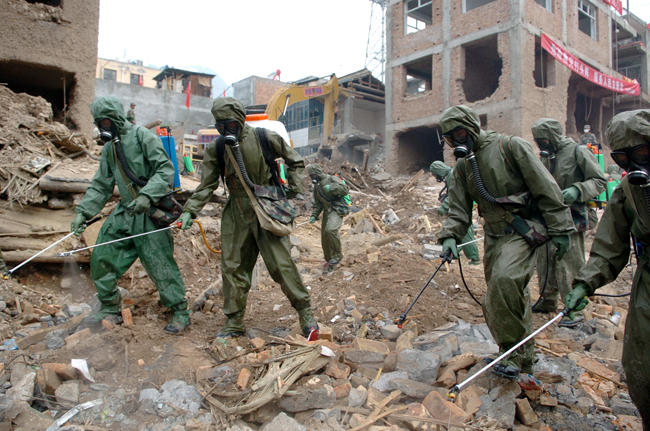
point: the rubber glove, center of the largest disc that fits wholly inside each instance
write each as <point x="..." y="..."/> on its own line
<point x="312" y="219"/>
<point x="562" y="243"/>
<point x="571" y="194"/>
<point x="186" y="220"/>
<point x="78" y="224"/>
<point x="139" y="205"/>
<point x="327" y="188"/>
<point x="450" y="244"/>
<point x="441" y="210"/>
<point x="577" y="300"/>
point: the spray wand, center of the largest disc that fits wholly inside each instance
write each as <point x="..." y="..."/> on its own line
<point x="70" y="253"/>
<point x="6" y="275"/>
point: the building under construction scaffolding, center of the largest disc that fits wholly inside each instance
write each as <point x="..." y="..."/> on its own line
<point x="488" y="54"/>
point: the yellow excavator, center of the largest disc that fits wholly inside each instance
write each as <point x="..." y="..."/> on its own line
<point x="328" y="93"/>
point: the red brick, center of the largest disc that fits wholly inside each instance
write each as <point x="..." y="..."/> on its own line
<point x="244" y="377"/>
<point x="337" y="370"/>
<point x="74" y="339"/>
<point x="127" y="317"/>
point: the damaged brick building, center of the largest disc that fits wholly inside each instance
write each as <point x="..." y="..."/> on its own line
<point x="487" y="54"/>
<point x="49" y="49"/>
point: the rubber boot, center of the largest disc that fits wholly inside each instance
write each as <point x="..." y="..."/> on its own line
<point x="308" y="324"/>
<point x="234" y="326"/>
<point x="330" y="266"/>
<point x="179" y="323"/>
<point x="546" y="306"/>
<point x="111" y="313"/>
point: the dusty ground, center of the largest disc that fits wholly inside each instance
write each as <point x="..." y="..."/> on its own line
<point x="383" y="287"/>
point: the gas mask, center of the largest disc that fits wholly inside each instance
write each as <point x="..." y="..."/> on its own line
<point x="230" y="129"/>
<point x="460" y="140"/>
<point x="314" y="179"/>
<point x="636" y="161"/>
<point x="439" y="178"/>
<point x="107" y="130"/>
<point x="546" y="149"/>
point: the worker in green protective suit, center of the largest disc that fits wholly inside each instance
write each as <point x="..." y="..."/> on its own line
<point x="580" y="178"/>
<point x="329" y="193"/>
<point x="520" y="213"/>
<point x="442" y="172"/>
<point x="146" y="158"/>
<point x="130" y="114"/>
<point x="242" y="238"/>
<point x="627" y="212"/>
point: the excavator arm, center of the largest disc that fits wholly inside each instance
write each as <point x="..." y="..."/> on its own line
<point x="286" y="96"/>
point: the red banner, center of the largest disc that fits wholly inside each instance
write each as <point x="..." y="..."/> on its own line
<point x="616" y="4"/>
<point x="187" y="99"/>
<point x="624" y="86"/>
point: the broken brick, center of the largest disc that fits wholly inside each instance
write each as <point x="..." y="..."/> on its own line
<point x="342" y="391"/>
<point x="49" y="309"/>
<point x="337" y="370"/>
<point x="75" y="338"/>
<point x="258" y="343"/>
<point x="370" y="345"/>
<point x="107" y="325"/>
<point x="444" y="410"/>
<point x="64" y="371"/>
<point x="127" y="317"/>
<point x="447" y="379"/>
<point x="244" y="377"/>
<point x="48" y="380"/>
<point x="524" y="412"/>
<point x="325" y="333"/>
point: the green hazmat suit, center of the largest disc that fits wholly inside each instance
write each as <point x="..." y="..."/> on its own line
<point x="332" y="204"/>
<point x="146" y="158"/>
<point x="130" y="116"/>
<point x="509" y="260"/>
<point x="625" y="214"/>
<point x="470" y="250"/>
<point x="588" y="138"/>
<point x="573" y="166"/>
<point x="242" y="238"/>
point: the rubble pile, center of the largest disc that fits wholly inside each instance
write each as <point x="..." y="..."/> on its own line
<point x="364" y="372"/>
<point x="31" y="144"/>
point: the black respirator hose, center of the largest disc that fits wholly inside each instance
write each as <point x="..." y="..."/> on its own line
<point x="478" y="181"/>
<point x="541" y="292"/>
<point x="485" y="195"/>
<point x="462" y="276"/>
<point x="129" y="174"/>
<point x="242" y="168"/>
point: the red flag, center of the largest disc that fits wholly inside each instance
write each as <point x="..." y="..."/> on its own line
<point x="187" y="100"/>
<point x="140" y="80"/>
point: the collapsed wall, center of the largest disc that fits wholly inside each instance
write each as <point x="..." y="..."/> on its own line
<point x="49" y="49"/>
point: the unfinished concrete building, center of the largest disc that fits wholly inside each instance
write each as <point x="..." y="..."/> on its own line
<point x="487" y="54"/>
<point x="49" y="49"/>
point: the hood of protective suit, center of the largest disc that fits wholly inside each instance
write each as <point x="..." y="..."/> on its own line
<point x="226" y="108"/>
<point x="461" y="116"/>
<point x="440" y="169"/>
<point x="548" y="128"/>
<point x="629" y="129"/>
<point x="110" y="107"/>
<point x="315" y="169"/>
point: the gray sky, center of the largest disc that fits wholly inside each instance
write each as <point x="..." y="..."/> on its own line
<point x="239" y="38"/>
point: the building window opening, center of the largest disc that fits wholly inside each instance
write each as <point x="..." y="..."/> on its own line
<point x="54" y="85"/>
<point x="483" y="68"/>
<point x="418" y="75"/>
<point x="418" y="15"/>
<point x="587" y="18"/>
<point x="110" y="75"/>
<point x="546" y="4"/>
<point x="136" y="79"/>
<point x="544" y="72"/>
<point x="54" y="3"/>
<point x="418" y="148"/>
<point x="468" y="5"/>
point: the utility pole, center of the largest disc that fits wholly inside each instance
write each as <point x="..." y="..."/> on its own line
<point x="376" y="45"/>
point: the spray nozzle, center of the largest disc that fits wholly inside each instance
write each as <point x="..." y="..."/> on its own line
<point x="6" y="275"/>
<point x="64" y="254"/>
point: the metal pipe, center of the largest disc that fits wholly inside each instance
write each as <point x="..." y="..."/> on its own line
<point x="70" y="253"/>
<point x="458" y="388"/>
<point x="469" y="242"/>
